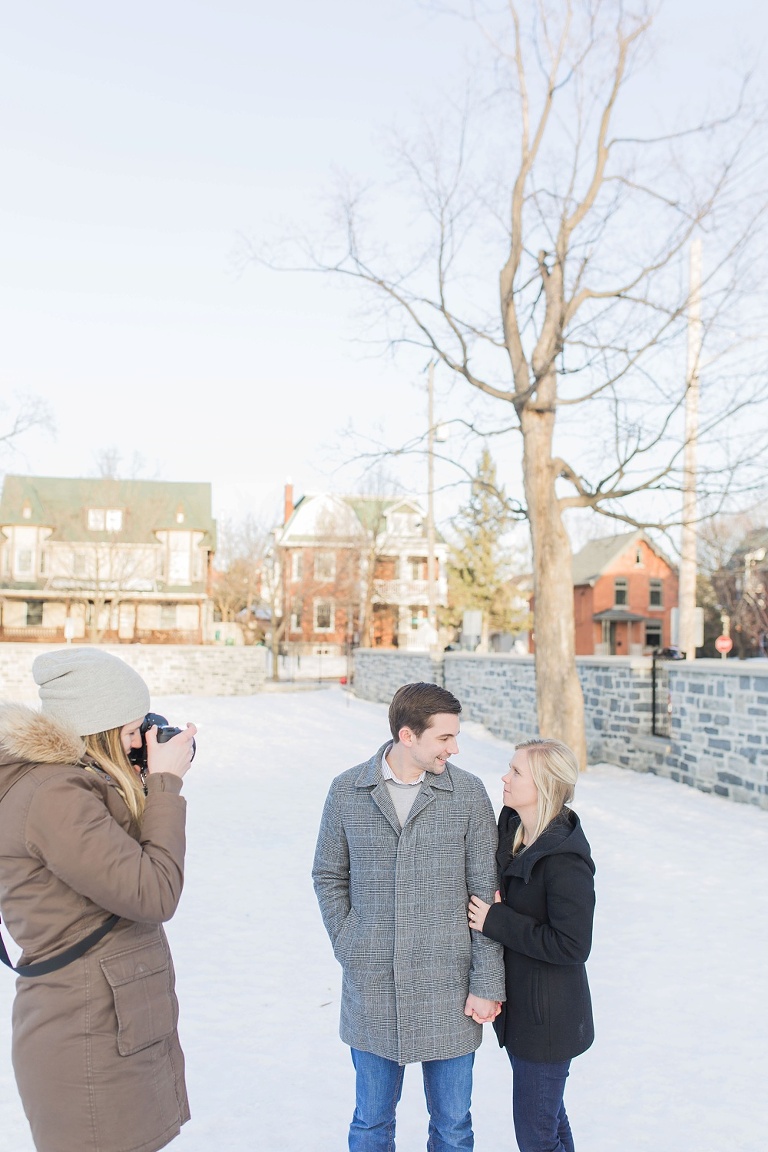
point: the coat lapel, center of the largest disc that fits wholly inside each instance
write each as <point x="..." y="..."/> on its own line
<point x="370" y="777"/>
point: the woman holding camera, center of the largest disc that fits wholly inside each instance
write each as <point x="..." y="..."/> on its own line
<point x="92" y="864"/>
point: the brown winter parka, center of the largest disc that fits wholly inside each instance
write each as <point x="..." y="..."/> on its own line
<point x="95" y="1048"/>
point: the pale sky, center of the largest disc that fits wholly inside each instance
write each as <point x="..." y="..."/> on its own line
<point x="140" y="142"/>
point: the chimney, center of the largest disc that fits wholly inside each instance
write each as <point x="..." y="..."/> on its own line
<point x="288" y="509"/>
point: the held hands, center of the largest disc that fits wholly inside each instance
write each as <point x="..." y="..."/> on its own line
<point x="482" y="1011"/>
<point x="173" y="756"/>
<point x="478" y="910"/>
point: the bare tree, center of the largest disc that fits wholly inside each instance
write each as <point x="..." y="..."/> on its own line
<point x="241" y="587"/>
<point x="734" y="580"/>
<point x="111" y="560"/>
<point x="580" y="227"/>
<point x="26" y="414"/>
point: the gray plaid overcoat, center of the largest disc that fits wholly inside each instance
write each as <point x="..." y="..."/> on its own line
<point x="394" y="904"/>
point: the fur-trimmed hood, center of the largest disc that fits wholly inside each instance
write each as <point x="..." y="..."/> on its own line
<point x="28" y="737"/>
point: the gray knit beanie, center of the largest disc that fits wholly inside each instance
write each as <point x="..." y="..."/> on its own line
<point x="89" y="690"/>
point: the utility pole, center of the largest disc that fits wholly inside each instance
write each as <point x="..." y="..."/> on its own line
<point x="431" y="583"/>
<point x="687" y="626"/>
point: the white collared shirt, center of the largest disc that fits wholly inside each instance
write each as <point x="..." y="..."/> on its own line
<point x="388" y="774"/>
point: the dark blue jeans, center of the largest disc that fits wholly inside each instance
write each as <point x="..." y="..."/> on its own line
<point x="541" y="1122"/>
<point x="447" y="1087"/>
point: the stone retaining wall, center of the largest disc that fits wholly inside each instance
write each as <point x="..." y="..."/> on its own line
<point x="718" y="709"/>
<point x="169" y="670"/>
<point x="379" y="674"/>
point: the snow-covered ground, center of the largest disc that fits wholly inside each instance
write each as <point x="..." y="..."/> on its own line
<point x="678" y="969"/>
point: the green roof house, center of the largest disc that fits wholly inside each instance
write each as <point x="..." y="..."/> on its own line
<point x="104" y="559"/>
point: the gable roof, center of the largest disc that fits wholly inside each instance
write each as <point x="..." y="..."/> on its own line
<point x="370" y="513"/>
<point x="593" y="559"/>
<point x="149" y="506"/>
<point x="755" y="541"/>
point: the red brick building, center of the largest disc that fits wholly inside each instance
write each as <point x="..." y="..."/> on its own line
<point x="624" y="590"/>
<point x="353" y="569"/>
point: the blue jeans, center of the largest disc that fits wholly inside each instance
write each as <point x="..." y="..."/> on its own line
<point x="447" y="1087"/>
<point x="541" y="1122"/>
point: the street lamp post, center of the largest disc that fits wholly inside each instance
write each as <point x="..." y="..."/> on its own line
<point x="687" y="627"/>
<point x="431" y="583"/>
<point x="434" y="435"/>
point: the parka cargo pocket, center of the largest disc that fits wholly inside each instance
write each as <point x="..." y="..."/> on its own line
<point x="145" y="1004"/>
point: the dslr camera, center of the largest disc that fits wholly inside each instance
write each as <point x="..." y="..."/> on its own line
<point x="165" y="731"/>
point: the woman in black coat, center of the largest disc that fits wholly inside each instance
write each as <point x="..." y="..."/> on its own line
<point x="543" y="917"/>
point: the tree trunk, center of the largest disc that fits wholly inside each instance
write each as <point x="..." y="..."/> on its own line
<point x="560" y="702"/>
<point x="275" y="649"/>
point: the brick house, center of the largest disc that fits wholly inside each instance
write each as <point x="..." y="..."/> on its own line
<point x="102" y="559"/>
<point x="624" y="590"/>
<point x="354" y="569"/>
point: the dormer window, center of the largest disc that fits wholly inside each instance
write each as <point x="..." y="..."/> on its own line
<point x="26" y="510"/>
<point x="179" y="515"/>
<point x="105" y="519"/>
<point x="402" y="524"/>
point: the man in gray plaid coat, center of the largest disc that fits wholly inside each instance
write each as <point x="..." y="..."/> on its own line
<point x="404" y="840"/>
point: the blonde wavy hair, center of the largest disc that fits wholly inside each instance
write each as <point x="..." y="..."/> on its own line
<point x="555" y="770"/>
<point x="106" y="750"/>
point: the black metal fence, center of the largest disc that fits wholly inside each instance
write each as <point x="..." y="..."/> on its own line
<point x="661" y="704"/>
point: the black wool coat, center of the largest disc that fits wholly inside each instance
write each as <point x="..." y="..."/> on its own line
<point x="545" y="925"/>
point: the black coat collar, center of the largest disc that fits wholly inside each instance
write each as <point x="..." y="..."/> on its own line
<point x="564" y="834"/>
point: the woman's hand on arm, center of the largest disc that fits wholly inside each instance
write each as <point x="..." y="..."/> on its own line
<point x="478" y="910"/>
<point x="174" y="755"/>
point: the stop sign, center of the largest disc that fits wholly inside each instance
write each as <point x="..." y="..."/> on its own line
<point x="723" y="643"/>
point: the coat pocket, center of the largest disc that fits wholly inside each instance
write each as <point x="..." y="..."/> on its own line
<point x="145" y="1003"/>
<point x="536" y="997"/>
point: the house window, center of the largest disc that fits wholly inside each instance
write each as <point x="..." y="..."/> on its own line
<point x="105" y="519"/>
<point x="43" y="562"/>
<point x="34" y="612"/>
<point x="324" y="615"/>
<point x="655" y="600"/>
<point x="168" y="616"/>
<point x="23" y="561"/>
<point x="418" y="568"/>
<point x="296" y="567"/>
<point x="178" y="567"/>
<point x="296" y="612"/>
<point x="620" y="592"/>
<point x="27" y="510"/>
<point x="403" y="524"/>
<point x="638" y="557"/>
<point x="325" y="566"/>
<point x="653" y="635"/>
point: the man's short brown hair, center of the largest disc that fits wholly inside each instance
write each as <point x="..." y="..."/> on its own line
<point x="414" y="705"/>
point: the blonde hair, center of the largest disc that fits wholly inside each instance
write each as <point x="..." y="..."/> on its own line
<point x="555" y="770"/>
<point x="105" y="749"/>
